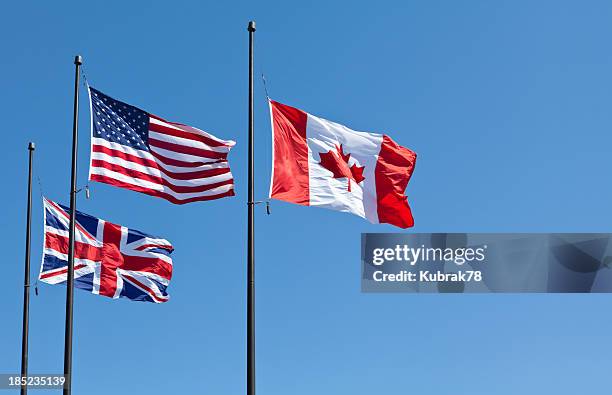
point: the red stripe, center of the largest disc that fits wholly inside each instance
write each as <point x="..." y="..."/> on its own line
<point x="290" y="182"/>
<point x="163" y="246"/>
<point x="124" y="170"/>
<point x="196" y="188"/>
<point x="155" y="165"/>
<point x="63" y="271"/>
<point x="111" y="236"/>
<point x="159" y="180"/>
<point x="179" y="163"/>
<point x="59" y="243"/>
<point x="393" y="171"/>
<point x="147" y="191"/>
<point x="186" y="135"/>
<point x="149" y="265"/>
<point x="184" y="149"/>
<point x="122" y="155"/>
<point x="196" y="174"/>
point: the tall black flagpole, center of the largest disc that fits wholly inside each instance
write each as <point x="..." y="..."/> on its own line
<point x="251" y="233"/>
<point x="26" y="280"/>
<point x="78" y="60"/>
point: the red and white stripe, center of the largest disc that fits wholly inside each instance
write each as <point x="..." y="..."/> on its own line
<point x="182" y="164"/>
<point x="299" y="138"/>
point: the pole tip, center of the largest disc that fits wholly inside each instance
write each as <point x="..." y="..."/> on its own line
<point x="251" y="27"/>
<point x="78" y="60"/>
<point x="31" y="146"/>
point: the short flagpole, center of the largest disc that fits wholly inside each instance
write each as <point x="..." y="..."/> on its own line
<point x="78" y="61"/>
<point x="26" y="280"/>
<point x="251" y="233"/>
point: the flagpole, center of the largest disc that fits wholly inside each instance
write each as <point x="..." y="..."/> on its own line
<point x="78" y="61"/>
<point x="251" y="233"/>
<point x="26" y="280"/>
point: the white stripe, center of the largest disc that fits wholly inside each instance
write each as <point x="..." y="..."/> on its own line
<point x="186" y="142"/>
<point x="122" y="148"/>
<point x="174" y="169"/>
<point x="191" y="129"/>
<point x="179" y="169"/>
<point x="119" y="285"/>
<point x="100" y="231"/>
<point x="96" y="279"/>
<point x="156" y="173"/>
<point x="272" y="163"/>
<point x="180" y="156"/>
<point x="157" y="187"/>
<point x="115" y="160"/>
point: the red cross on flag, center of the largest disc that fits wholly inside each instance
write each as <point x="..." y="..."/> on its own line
<point x="109" y="259"/>
<point x="317" y="162"/>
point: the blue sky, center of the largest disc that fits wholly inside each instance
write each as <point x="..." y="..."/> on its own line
<point x="507" y="104"/>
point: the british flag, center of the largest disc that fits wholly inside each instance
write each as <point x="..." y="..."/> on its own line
<point x="109" y="260"/>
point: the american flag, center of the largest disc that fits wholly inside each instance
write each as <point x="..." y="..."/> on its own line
<point x="109" y="259"/>
<point x="133" y="149"/>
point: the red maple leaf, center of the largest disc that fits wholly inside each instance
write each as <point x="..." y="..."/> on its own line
<point x="337" y="163"/>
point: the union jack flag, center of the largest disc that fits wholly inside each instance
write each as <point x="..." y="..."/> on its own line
<point x="109" y="260"/>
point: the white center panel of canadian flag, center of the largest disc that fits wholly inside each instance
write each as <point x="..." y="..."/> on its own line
<point x="341" y="165"/>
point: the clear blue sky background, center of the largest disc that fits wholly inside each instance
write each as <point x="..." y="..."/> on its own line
<point x="507" y="104"/>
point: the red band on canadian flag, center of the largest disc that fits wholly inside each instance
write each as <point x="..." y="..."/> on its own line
<point x="317" y="162"/>
<point x="393" y="171"/>
<point x="291" y="168"/>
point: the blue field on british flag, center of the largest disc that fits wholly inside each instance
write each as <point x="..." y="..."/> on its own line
<point x="110" y="260"/>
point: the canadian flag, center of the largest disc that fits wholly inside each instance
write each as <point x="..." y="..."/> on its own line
<point x="321" y="163"/>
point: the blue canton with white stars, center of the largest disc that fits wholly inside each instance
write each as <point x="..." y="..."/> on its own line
<point x="118" y="122"/>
